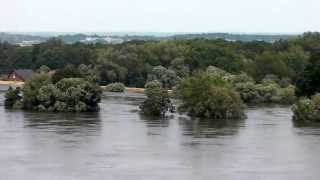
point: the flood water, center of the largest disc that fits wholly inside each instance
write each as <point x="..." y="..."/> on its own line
<point x="118" y="143"/>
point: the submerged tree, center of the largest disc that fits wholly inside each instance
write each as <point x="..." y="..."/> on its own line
<point x="13" y="98"/>
<point x="307" y="109"/>
<point x="208" y="96"/>
<point x="115" y="87"/>
<point x="158" y="102"/>
<point x="67" y="95"/>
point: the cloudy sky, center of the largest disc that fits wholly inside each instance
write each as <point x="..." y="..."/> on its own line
<point x="264" y="16"/>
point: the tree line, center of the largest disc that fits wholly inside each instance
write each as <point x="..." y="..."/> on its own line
<point x="137" y="62"/>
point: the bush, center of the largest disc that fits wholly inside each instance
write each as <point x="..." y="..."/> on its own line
<point x="241" y="78"/>
<point x="31" y="88"/>
<point x="43" y="69"/>
<point x="266" y="93"/>
<point x="68" y="71"/>
<point x="18" y="105"/>
<point x="47" y="94"/>
<point x="307" y="109"/>
<point x="271" y="90"/>
<point x="158" y="102"/>
<point x="12" y="98"/>
<point x="67" y="95"/>
<point x="116" y="87"/>
<point x="270" y="78"/>
<point x="287" y="95"/>
<point x="166" y="77"/>
<point x="215" y="71"/>
<point x="206" y="95"/>
<point x="153" y="84"/>
<point x="248" y="92"/>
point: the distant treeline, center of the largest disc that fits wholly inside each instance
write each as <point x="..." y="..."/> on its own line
<point x="73" y="38"/>
<point x="19" y="38"/>
<point x="134" y="62"/>
<point x="235" y="37"/>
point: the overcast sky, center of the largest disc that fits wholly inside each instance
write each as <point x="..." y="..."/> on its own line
<point x="160" y="15"/>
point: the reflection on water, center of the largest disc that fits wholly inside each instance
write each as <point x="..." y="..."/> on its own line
<point x="119" y="143"/>
<point x="208" y="129"/>
<point x="63" y="122"/>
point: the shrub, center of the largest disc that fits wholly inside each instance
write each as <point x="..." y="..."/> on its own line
<point x="270" y="90"/>
<point x="241" y="78"/>
<point x="31" y="88"/>
<point x="307" y="109"/>
<point x="167" y="77"/>
<point x="78" y="95"/>
<point x="43" y="69"/>
<point x="153" y="84"/>
<point x="287" y="95"/>
<point x="67" y="95"/>
<point x="206" y="95"/>
<point x="285" y="82"/>
<point x="158" y="102"/>
<point x="116" y="87"/>
<point x="13" y="97"/>
<point x="215" y="71"/>
<point x="70" y="71"/>
<point x="266" y="93"/>
<point x="248" y="92"/>
<point x="18" y="105"/>
<point x="47" y="94"/>
<point x="270" y="78"/>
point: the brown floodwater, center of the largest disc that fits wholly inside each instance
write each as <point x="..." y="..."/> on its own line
<point x="119" y="144"/>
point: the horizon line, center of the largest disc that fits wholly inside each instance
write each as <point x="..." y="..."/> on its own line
<point x="153" y="32"/>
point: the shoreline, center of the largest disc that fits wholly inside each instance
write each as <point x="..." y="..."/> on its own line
<point x="12" y="83"/>
<point x="20" y="84"/>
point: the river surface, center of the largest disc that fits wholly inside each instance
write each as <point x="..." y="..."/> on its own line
<point x="118" y="143"/>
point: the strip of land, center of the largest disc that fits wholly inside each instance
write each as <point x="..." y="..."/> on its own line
<point x="12" y="83"/>
<point x="20" y="84"/>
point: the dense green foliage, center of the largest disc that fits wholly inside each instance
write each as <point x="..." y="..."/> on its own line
<point x="309" y="82"/>
<point x="115" y="87"/>
<point x="206" y="95"/>
<point x="166" y="77"/>
<point x="158" y="102"/>
<point x="137" y="62"/>
<point x="153" y="84"/>
<point x="266" y="92"/>
<point x="67" y="95"/>
<point x="307" y="109"/>
<point x="53" y="53"/>
<point x="232" y="72"/>
<point x="70" y="71"/>
<point x="13" y="98"/>
<point x="270" y="90"/>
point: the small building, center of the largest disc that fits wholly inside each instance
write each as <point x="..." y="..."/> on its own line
<point x="20" y="75"/>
